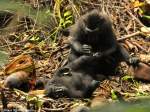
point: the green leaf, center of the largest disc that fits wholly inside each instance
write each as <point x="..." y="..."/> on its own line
<point x="31" y="98"/>
<point x="146" y="16"/>
<point x="69" y="18"/>
<point x="113" y="95"/>
<point x="67" y="13"/>
<point x="68" y="22"/>
<point x="127" y="77"/>
<point x="40" y="103"/>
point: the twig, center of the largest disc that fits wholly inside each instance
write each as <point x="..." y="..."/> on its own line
<point x="129" y="12"/>
<point x="4" y="100"/>
<point x="128" y="36"/>
<point x="140" y="47"/>
<point x="54" y="110"/>
<point x="14" y="43"/>
<point x="17" y="107"/>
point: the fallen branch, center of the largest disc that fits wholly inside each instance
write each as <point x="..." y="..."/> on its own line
<point x="128" y="36"/>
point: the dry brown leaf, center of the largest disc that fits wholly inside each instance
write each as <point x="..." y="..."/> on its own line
<point x="146" y="31"/>
<point x="145" y="58"/>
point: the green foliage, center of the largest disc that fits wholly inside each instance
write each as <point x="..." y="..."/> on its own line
<point x="131" y="78"/>
<point x="114" y="95"/>
<point x="65" y="19"/>
<point x="146" y="16"/>
<point x="127" y="77"/>
<point x="40" y="16"/>
<point x="37" y="101"/>
<point x="124" y="107"/>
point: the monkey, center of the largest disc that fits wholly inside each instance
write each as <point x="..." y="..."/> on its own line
<point x="92" y="34"/>
<point x="94" y="47"/>
<point x="40" y="83"/>
<point x="67" y="83"/>
<point x="94" y="52"/>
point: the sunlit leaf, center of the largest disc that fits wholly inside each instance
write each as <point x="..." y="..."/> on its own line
<point x="145" y="31"/>
<point x="127" y="77"/>
<point x="138" y="4"/>
<point x="146" y="16"/>
<point x="113" y="95"/>
<point x="67" y="13"/>
<point x="69" y="18"/>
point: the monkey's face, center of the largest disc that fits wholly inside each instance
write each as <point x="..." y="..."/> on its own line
<point x="92" y="22"/>
<point x="59" y="85"/>
<point x="96" y="22"/>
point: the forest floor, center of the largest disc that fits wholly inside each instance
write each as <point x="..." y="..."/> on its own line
<point x="49" y="50"/>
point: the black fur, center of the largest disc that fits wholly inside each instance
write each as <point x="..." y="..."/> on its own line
<point x="94" y="52"/>
<point x="66" y="83"/>
<point x="94" y="48"/>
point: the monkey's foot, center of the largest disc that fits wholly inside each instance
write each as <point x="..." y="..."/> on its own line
<point x="134" y="61"/>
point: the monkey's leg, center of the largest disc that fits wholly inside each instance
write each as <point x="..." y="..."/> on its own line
<point x="91" y="88"/>
<point x="73" y="56"/>
<point x="75" y="93"/>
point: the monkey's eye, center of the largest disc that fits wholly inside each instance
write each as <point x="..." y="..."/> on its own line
<point x="65" y="71"/>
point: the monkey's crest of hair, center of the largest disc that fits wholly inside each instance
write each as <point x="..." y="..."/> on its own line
<point x="95" y="20"/>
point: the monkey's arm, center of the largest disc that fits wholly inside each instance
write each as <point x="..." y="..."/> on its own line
<point x="81" y="48"/>
<point x="125" y="56"/>
<point x="105" y="53"/>
<point x="76" y="93"/>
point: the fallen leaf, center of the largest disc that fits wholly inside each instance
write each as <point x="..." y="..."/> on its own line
<point x="145" y="31"/>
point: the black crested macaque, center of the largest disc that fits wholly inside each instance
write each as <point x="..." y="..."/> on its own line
<point x="92" y="35"/>
<point x="94" y="48"/>
<point x="94" y="52"/>
<point x="66" y="83"/>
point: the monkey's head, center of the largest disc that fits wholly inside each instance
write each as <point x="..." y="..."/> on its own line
<point x="56" y="87"/>
<point x="96" y="21"/>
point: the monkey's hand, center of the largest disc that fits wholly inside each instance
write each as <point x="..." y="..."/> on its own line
<point x="87" y="49"/>
<point x="134" y="61"/>
<point x="81" y="48"/>
<point x="97" y="54"/>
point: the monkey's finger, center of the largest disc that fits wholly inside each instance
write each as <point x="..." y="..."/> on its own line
<point x="87" y="47"/>
<point x="134" y="60"/>
<point x="97" y="54"/>
<point x="87" y="52"/>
